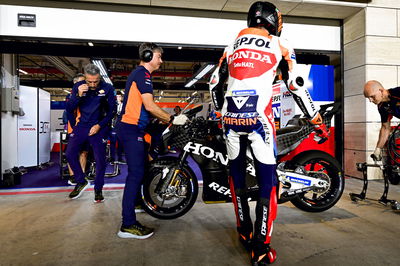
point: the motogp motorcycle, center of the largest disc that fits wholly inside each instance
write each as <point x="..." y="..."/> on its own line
<point x="312" y="180"/>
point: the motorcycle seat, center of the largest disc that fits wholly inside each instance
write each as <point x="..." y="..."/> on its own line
<point x="287" y="130"/>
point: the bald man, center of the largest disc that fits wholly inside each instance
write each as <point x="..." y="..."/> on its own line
<point x="388" y="102"/>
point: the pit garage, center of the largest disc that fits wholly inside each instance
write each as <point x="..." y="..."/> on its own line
<point x="44" y="44"/>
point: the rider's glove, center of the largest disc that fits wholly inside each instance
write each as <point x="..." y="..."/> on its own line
<point x="321" y="133"/>
<point x="179" y="120"/>
<point x="377" y="155"/>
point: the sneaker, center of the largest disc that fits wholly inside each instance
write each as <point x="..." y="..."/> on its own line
<point x="139" y="208"/>
<point x="268" y="258"/>
<point x="79" y="188"/>
<point x="72" y="181"/>
<point x="98" y="196"/>
<point x="137" y="231"/>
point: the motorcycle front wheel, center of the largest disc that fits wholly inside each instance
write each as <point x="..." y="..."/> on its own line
<point x="323" y="165"/>
<point x="174" y="201"/>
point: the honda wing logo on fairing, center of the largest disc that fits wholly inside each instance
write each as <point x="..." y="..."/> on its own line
<point x="200" y="149"/>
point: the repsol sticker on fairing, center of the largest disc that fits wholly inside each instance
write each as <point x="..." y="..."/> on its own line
<point x="220" y="189"/>
<point x="300" y="180"/>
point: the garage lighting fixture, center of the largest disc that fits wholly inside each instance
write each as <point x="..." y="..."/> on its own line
<point x="23" y="71"/>
<point x="103" y="72"/>
<point x="60" y="65"/>
<point x="90" y="44"/>
<point x="199" y="74"/>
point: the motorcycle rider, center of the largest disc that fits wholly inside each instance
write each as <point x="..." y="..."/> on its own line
<point x="250" y="65"/>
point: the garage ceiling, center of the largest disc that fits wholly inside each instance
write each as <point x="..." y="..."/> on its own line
<point x="40" y="60"/>
<point x="333" y="9"/>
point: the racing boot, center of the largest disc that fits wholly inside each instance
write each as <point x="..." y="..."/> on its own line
<point x="262" y="253"/>
<point x="267" y="258"/>
<point x="244" y="224"/>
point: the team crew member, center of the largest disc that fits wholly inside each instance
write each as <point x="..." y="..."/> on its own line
<point x="388" y="102"/>
<point x="69" y="119"/>
<point x="115" y="144"/>
<point x="95" y="102"/>
<point x="137" y="107"/>
<point x="251" y="63"/>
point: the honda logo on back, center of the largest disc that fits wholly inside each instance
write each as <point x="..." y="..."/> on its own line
<point x="248" y="63"/>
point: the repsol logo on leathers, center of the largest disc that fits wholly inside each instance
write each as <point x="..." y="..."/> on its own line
<point x="259" y="42"/>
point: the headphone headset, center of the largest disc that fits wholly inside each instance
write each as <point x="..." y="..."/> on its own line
<point x="147" y="55"/>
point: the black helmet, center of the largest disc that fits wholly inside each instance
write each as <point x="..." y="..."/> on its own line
<point x="266" y="15"/>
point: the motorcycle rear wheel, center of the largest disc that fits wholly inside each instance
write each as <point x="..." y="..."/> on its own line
<point x="318" y="161"/>
<point x="173" y="207"/>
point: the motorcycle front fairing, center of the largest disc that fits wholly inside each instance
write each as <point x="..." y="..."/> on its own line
<point x="210" y="155"/>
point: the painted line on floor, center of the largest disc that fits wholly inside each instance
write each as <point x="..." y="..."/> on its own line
<point x="42" y="190"/>
<point x="27" y="191"/>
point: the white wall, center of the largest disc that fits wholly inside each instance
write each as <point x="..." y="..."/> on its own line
<point x="8" y="120"/>
<point x="130" y="27"/>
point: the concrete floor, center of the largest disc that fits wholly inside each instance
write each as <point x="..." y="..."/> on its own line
<point x="49" y="229"/>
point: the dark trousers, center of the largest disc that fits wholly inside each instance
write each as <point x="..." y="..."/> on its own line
<point x="115" y="152"/>
<point x="135" y="153"/>
<point x="98" y="143"/>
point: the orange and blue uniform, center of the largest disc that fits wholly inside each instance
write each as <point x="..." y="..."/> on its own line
<point x="96" y="106"/>
<point x="130" y="130"/>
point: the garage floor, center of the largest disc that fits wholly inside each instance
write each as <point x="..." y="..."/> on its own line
<point x="49" y="229"/>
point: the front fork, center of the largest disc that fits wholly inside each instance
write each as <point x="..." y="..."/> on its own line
<point x="170" y="177"/>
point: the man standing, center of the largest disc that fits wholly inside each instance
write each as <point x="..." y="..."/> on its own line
<point x="250" y="63"/>
<point x="137" y="106"/>
<point x="115" y="144"/>
<point x="177" y="110"/>
<point x="388" y="102"/>
<point x="69" y="121"/>
<point x="94" y="101"/>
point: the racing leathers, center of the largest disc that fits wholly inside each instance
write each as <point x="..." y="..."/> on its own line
<point x="250" y="65"/>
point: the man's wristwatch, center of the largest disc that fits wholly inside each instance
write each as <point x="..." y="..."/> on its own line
<point x="171" y="119"/>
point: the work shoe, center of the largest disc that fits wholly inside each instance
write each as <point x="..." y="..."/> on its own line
<point x="79" y="188"/>
<point x="139" y="208"/>
<point x="98" y="196"/>
<point x="137" y="231"/>
<point x="269" y="258"/>
<point x="72" y="181"/>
